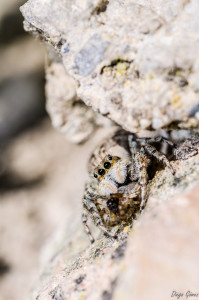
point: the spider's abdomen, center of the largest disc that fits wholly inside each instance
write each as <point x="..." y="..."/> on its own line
<point x="112" y="205"/>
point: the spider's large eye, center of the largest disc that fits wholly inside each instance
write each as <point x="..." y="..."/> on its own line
<point x="101" y="171"/>
<point x="107" y="165"/>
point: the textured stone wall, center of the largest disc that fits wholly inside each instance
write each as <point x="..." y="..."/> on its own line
<point x="133" y="61"/>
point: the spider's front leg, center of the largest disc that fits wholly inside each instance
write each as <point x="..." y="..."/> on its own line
<point x="141" y="149"/>
<point x="158" y="139"/>
<point x="159" y="156"/>
<point x="88" y="206"/>
<point x="138" y="168"/>
<point x="141" y="164"/>
<point x="188" y="148"/>
<point x="86" y="227"/>
<point x="151" y="150"/>
<point x="90" y="200"/>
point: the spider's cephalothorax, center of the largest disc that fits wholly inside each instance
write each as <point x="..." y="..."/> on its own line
<point x="111" y="172"/>
<point x="119" y="172"/>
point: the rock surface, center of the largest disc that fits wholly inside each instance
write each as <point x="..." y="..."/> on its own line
<point x="160" y="255"/>
<point x="68" y="113"/>
<point x="133" y="61"/>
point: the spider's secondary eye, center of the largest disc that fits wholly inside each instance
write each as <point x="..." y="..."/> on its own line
<point x="107" y="165"/>
<point x="101" y="171"/>
<point x="95" y="175"/>
<point x="110" y="157"/>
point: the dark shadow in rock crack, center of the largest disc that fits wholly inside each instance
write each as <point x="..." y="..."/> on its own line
<point x="108" y="294"/>
<point x="119" y="252"/>
<point x="101" y="7"/>
<point x="4" y="267"/>
<point x="10" y="181"/>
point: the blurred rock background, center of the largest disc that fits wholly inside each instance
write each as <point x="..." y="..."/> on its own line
<point x="21" y="107"/>
<point x="22" y="73"/>
<point x="37" y="165"/>
<point x="32" y="157"/>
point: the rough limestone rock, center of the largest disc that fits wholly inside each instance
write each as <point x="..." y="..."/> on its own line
<point x="71" y="117"/>
<point x="133" y="61"/>
<point x="160" y="255"/>
<point x="68" y="113"/>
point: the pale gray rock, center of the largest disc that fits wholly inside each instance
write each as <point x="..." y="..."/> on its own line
<point x="162" y="243"/>
<point x="68" y="113"/>
<point x="133" y="61"/>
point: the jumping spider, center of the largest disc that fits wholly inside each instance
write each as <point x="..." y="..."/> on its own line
<point x="119" y="170"/>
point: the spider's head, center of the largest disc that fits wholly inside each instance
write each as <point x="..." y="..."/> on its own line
<point x="109" y="173"/>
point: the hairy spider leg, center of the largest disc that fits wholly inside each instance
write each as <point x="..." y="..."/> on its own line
<point x="141" y="163"/>
<point x="84" y="221"/>
<point x="159" y="156"/>
<point x="186" y="149"/>
<point x="158" y="139"/>
<point x="90" y="209"/>
<point x="141" y="160"/>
